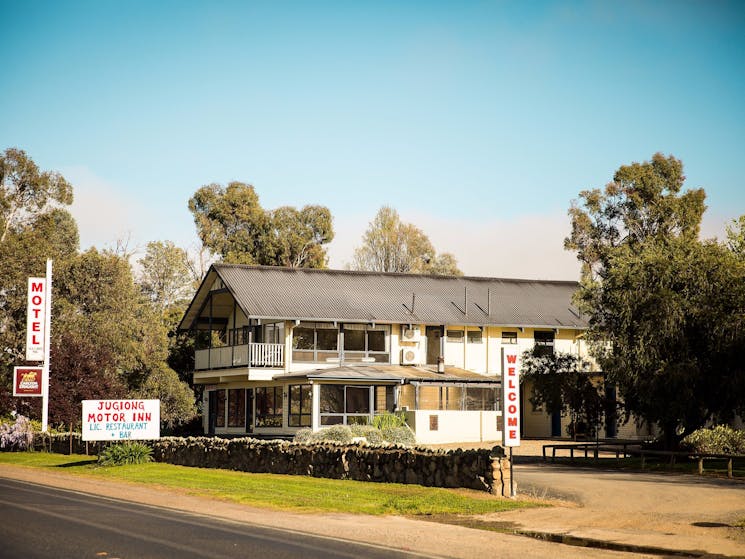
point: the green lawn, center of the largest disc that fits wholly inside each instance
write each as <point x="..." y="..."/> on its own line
<point x="296" y="493"/>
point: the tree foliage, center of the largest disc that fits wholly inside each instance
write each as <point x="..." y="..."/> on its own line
<point x="25" y="191"/>
<point x="232" y="224"/>
<point x="165" y="275"/>
<point x="390" y="245"/>
<point x="563" y="383"/>
<point x="176" y="398"/>
<point x="666" y="311"/>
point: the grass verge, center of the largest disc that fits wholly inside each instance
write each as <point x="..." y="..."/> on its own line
<point x="281" y="492"/>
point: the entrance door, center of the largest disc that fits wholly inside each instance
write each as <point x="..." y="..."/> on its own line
<point x="434" y="333"/>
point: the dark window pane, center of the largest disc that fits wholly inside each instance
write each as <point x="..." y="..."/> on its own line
<point x="354" y="340"/>
<point x="358" y="399"/>
<point x="474" y="336"/>
<point x="332" y="398"/>
<point x="332" y="419"/>
<point x="237" y="408"/>
<point x="376" y="340"/>
<point x="327" y="339"/>
<point x="220" y="409"/>
<point x="302" y="338"/>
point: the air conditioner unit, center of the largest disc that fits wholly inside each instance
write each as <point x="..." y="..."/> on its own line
<point x="410" y="334"/>
<point x="409" y="356"/>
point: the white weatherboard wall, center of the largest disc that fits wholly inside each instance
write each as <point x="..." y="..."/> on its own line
<point x="454" y="426"/>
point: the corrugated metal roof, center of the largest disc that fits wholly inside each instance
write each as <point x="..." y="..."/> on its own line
<point x="390" y="373"/>
<point x="309" y="294"/>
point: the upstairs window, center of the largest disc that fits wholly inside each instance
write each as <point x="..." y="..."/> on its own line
<point x="366" y="344"/>
<point x="509" y="338"/>
<point x="544" y="343"/>
<point x="315" y="342"/>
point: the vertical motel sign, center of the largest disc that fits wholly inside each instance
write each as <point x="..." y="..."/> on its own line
<point x="511" y="396"/>
<point x="34" y="381"/>
<point x="36" y="319"/>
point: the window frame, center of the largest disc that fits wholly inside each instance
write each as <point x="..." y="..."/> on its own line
<point x="302" y="418"/>
<point x="276" y="417"/>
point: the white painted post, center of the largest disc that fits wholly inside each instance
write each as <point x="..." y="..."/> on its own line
<point x="47" y="343"/>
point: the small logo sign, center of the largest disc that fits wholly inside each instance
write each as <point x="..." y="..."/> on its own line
<point x="27" y="381"/>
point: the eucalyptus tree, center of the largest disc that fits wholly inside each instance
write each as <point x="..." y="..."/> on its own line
<point x="666" y="310"/>
<point x="390" y="245"/>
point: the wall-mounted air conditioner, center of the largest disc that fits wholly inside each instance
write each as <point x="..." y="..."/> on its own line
<point x="410" y="334"/>
<point x="408" y="356"/>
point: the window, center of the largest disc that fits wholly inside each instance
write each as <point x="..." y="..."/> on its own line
<point x="474" y="336"/>
<point x="301" y="403"/>
<point x="455" y="336"/>
<point x="366" y="344"/>
<point x="269" y="406"/>
<point x="237" y="407"/>
<point x="544" y="343"/>
<point x="478" y="398"/>
<point x="220" y="408"/>
<point x="315" y="342"/>
<point x="342" y="404"/>
<point x="509" y="338"/>
<point x="274" y="333"/>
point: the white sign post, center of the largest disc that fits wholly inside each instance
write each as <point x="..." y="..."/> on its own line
<point x="120" y="420"/>
<point x="38" y="332"/>
<point x="511" y="405"/>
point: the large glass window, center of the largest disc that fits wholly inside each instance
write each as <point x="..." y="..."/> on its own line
<point x="269" y="406"/>
<point x="301" y="403"/>
<point x="366" y="344"/>
<point x="450" y="397"/>
<point x="237" y="407"/>
<point x="342" y="404"/>
<point x="315" y="342"/>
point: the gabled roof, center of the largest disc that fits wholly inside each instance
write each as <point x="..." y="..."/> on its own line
<point x="268" y="292"/>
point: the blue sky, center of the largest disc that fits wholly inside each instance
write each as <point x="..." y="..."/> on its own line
<point x="478" y="121"/>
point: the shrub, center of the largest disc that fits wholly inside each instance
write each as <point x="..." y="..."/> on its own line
<point x="388" y="420"/>
<point x="126" y="453"/>
<point x="399" y="435"/>
<point x="303" y="435"/>
<point x="721" y="439"/>
<point x="372" y="434"/>
<point x="16" y="435"/>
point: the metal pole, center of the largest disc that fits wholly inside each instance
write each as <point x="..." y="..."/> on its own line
<point x="47" y="343"/>
<point x="513" y="489"/>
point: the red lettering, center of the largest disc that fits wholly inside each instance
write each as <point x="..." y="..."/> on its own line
<point x="91" y="417"/>
<point x="512" y="408"/>
<point x="511" y="384"/>
<point x="37" y="287"/>
<point x="511" y="371"/>
<point x="512" y="422"/>
<point x="511" y="358"/>
<point x="36" y="326"/>
<point x="36" y="300"/>
<point x="513" y="433"/>
<point x="512" y="397"/>
<point x="36" y="312"/>
<point x="34" y="341"/>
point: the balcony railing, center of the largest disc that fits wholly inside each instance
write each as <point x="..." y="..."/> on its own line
<point x="248" y="355"/>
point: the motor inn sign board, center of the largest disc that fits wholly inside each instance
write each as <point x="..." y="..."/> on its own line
<point x="115" y="420"/>
<point x="35" y="319"/>
<point x="27" y="381"/>
<point x="511" y="393"/>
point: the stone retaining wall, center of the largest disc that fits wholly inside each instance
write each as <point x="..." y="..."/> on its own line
<point x="474" y="469"/>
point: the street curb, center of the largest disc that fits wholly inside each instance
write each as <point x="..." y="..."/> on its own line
<point x="580" y="541"/>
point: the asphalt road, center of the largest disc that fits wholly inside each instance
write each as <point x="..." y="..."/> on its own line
<point x="43" y="522"/>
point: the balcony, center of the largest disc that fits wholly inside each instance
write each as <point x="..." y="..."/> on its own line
<point x="248" y="355"/>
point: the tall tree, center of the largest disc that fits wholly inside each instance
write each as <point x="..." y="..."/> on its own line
<point x="164" y="274"/>
<point x="232" y="224"/>
<point x="666" y="311"/>
<point x="390" y="245"/>
<point x="25" y="191"/>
